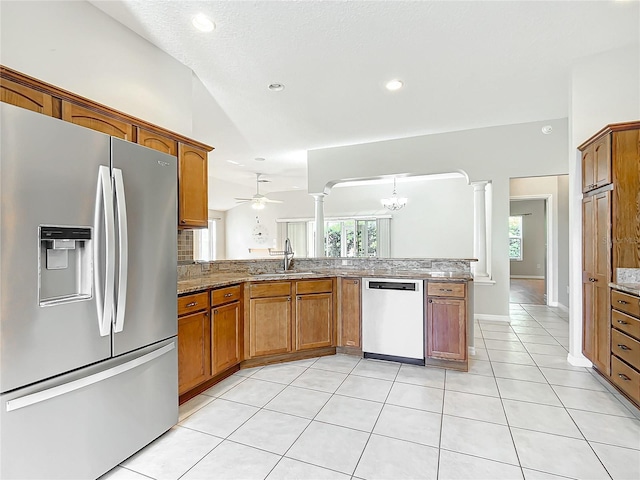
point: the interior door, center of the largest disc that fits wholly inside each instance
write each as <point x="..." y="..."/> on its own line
<point x="49" y="177"/>
<point x="148" y="262"/>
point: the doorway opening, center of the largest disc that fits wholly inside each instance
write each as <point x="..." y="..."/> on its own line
<point x="539" y="240"/>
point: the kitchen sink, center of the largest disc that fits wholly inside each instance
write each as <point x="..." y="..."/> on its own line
<point x="283" y="274"/>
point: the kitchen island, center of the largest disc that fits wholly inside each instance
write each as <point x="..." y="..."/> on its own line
<point x="241" y="314"/>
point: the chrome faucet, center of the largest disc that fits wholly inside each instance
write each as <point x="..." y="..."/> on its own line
<point x="288" y="254"/>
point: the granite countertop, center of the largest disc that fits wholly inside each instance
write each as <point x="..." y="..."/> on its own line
<point x="224" y="279"/>
<point x="632" y="288"/>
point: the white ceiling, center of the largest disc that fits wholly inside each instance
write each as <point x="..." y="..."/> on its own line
<point x="464" y="65"/>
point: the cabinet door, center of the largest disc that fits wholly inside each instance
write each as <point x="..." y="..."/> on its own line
<point x="314" y="319"/>
<point x="446" y="329"/>
<point x="588" y="169"/>
<point x="194" y="364"/>
<point x="596" y="257"/>
<point x="25" y="97"/>
<point x="225" y="337"/>
<point x="626" y="204"/>
<point x="192" y="187"/>
<point x="269" y="326"/>
<point x="96" y="121"/>
<point x="602" y="161"/>
<point x="157" y="142"/>
<point x="350" y="313"/>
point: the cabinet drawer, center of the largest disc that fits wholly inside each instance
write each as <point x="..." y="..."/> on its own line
<point x="193" y="303"/>
<point x="446" y="289"/>
<point x="626" y="348"/>
<point x="625" y="303"/>
<point x="314" y="286"/>
<point x="270" y="289"/>
<point x="626" y="323"/>
<point x="626" y="378"/>
<point x="225" y="295"/>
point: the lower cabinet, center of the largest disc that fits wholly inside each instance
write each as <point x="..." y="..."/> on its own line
<point x="314" y="320"/>
<point x="225" y="337"/>
<point x="194" y="365"/>
<point x="446" y="312"/>
<point x="270" y="325"/>
<point x="277" y="326"/>
<point x="350" y="313"/>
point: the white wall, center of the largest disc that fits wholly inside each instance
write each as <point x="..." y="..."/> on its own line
<point x="494" y="154"/>
<point x="437" y="221"/>
<point x="221" y="235"/>
<point x="604" y="89"/>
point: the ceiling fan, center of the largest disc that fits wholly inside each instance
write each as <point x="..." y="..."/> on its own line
<point x="258" y="201"/>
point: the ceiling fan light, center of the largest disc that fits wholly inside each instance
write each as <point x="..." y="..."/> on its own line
<point x="257" y="205"/>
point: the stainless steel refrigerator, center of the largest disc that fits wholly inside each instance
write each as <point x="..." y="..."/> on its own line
<point x="88" y="255"/>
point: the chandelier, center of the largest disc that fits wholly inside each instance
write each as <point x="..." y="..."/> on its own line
<point x="394" y="202"/>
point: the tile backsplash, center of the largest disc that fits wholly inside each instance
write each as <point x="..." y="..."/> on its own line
<point x="185" y="245"/>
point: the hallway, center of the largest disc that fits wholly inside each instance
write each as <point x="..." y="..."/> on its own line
<point x="527" y="290"/>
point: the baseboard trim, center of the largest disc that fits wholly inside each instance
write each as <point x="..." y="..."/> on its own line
<point x="492" y="318"/>
<point x="532" y="277"/>
<point x="579" y="361"/>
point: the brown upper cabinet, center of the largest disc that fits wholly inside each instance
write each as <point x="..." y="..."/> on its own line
<point x="157" y="142"/>
<point x="596" y="164"/>
<point x="30" y="93"/>
<point x="192" y="187"/>
<point x="96" y="121"/>
<point x="25" y="97"/>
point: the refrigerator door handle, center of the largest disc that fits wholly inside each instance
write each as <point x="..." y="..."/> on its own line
<point x="123" y="243"/>
<point x="69" y="387"/>
<point x="104" y="298"/>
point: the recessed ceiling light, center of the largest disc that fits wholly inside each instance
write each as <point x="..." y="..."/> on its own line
<point x="394" y="85"/>
<point x="203" y="23"/>
<point x="232" y="162"/>
<point x="547" y="129"/>
<point x="259" y="159"/>
<point x="276" y="87"/>
<point x="296" y="187"/>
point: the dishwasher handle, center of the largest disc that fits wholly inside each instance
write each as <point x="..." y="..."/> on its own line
<point x="381" y="285"/>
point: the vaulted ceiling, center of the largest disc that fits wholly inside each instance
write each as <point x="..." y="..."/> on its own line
<point x="464" y="64"/>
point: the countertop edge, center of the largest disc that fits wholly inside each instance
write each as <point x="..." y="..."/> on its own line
<point x="221" y="280"/>
<point x="632" y="288"/>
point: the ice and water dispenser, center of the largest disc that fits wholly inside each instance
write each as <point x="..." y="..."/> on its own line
<point x="65" y="264"/>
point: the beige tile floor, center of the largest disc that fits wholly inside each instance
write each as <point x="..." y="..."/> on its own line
<point x="521" y="412"/>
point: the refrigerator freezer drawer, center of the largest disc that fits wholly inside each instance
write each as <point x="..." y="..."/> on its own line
<point x="82" y="424"/>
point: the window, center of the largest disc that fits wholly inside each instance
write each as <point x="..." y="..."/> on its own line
<point x="204" y="243"/>
<point x="515" y="238"/>
<point x="343" y="237"/>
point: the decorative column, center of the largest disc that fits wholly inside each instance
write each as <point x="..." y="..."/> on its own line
<point x="319" y="243"/>
<point x="480" y="229"/>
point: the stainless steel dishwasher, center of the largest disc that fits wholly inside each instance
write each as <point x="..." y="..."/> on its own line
<point x="393" y="319"/>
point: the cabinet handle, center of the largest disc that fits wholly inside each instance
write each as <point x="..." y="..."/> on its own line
<point x="623" y="347"/>
<point x="298" y="298"/>
<point x="183" y="221"/>
<point x="227" y="295"/>
<point x="215" y="312"/>
<point x="430" y="301"/>
<point x="355" y="282"/>
<point x="593" y="279"/>
<point x="206" y="314"/>
<point x="446" y="290"/>
<point x="288" y="299"/>
<point x="624" y="377"/>
<point x="623" y="302"/>
<point x="192" y="304"/>
<point x="622" y="322"/>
